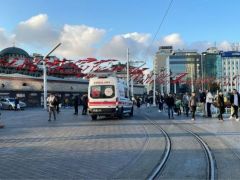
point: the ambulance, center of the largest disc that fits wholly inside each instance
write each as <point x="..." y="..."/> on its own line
<point x="107" y="96"/>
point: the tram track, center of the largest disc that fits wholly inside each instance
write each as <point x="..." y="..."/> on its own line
<point x="158" y="168"/>
<point x="211" y="173"/>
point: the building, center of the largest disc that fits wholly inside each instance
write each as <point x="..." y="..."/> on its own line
<point x="30" y="89"/>
<point x="27" y="83"/>
<point x="182" y="61"/>
<point x="230" y="70"/>
<point x="160" y="64"/>
<point x="212" y="64"/>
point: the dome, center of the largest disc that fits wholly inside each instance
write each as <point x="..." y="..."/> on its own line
<point x="13" y="51"/>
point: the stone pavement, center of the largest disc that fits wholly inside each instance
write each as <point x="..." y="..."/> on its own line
<point x="74" y="147"/>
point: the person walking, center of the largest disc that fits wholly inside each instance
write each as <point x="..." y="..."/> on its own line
<point x="57" y="103"/>
<point x="220" y="105"/>
<point x="1" y="125"/>
<point x="160" y="103"/>
<point x="138" y="102"/>
<point x="85" y="104"/>
<point x="202" y="99"/>
<point x="178" y="106"/>
<point x="75" y="103"/>
<point x="193" y="104"/>
<point x="51" y="100"/>
<point x="235" y="102"/>
<point x="186" y="103"/>
<point x="170" y="103"/>
<point x="209" y="101"/>
<point x="16" y="103"/>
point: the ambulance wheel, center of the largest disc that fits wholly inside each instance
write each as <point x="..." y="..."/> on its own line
<point x="120" y="114"/>
<point x="131" y="113"/>
<point x="94" y="117"/>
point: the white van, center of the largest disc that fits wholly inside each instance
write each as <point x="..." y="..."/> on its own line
<point x="107" y="96"/>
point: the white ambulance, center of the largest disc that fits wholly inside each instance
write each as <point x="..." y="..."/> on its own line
<point x="107" y="96"/>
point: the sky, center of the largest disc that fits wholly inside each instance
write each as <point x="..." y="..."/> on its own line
<point x="106" y="28"/>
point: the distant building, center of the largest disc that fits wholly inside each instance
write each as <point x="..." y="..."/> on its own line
<point x="27" y="85"/>
<point x="183" y="61"/>
<point x="212" y="64"/>
<point x="160" y="63"/>
<point x="230" y="70"/>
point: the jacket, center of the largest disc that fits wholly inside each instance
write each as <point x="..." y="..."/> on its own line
<point x="193" y="101"/>
<point x="232" y="99"/>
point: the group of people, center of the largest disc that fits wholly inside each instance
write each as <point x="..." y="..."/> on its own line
<point x="53" y="102"/>
<point x="177" y="103"/>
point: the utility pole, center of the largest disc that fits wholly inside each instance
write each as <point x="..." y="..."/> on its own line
<point x="128" y="72"/>
<point x="154" y="84"/>
<point x="45" y="75"/>
<point x="202" y="69"/>
<point x="192" y="77"/>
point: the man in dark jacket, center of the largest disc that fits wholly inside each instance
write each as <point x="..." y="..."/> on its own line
<point x="202" y="99"/>
<point x="85" y="104"/>
<point x="75" y="103"/>
<point x="170" y="103"/>
<point x="235" y="102"/>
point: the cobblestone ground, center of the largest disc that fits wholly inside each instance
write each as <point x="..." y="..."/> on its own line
<point x="73" y="147"/>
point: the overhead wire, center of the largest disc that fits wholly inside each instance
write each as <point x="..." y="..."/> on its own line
<point x="160" y="26"/>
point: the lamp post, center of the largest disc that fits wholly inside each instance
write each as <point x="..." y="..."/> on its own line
<point x="45" y="76"/>
<point x="128" y="72"/>
<point x="202" y="69"/>
<point x="154" y="83"/>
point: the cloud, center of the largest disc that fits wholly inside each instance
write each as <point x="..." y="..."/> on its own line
<point x="36" y="31"/>
<point x="173" y="39"/>
<point x="5" y="39"/>
<point x="117" y="47"/>
<point x="225" y="46"/>
<point x="79" y="41"/>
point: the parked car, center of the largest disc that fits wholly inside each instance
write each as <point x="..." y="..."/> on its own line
<point x="9" y="103"/>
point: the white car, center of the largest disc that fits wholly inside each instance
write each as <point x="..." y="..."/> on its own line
<point x="9" y="103"/>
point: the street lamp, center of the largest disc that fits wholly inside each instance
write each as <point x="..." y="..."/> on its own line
<point x="202" y="55"/>
<point x="45" y="75"/>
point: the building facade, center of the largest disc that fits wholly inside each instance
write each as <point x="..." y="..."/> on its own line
<point x="230" y="70"/>
<point x="160" y="64"/>
<point x="212" y="64"/>
<point x="180" y="62"/>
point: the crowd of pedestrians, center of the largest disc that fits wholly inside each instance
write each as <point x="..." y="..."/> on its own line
<point x="53" y="102"/>
<point x="203" y="101"/>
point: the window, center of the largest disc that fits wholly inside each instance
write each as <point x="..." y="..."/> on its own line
<point x="104" y="91"/>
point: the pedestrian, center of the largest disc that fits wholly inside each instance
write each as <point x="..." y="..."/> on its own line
<point x="220" y="105"/>
<point x="209" y="101"/>
<point x="85" y="104"/>
<point x="235" y="102"/>
<point x="202" y="99"/>
<point x="138" y="102"/>
<point x="178" y="106"/>
<point x="170" y="103"/>
<point x="1" y="125"/>
<point x="193" y="105"/>
<point x="186" y="103"/>
<point x="57" y="103"/>
<point x="75" y="103"/>
<point x="160" y="103"/>
<point x="51" y="100"/>
<point x="16" y="103"/>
